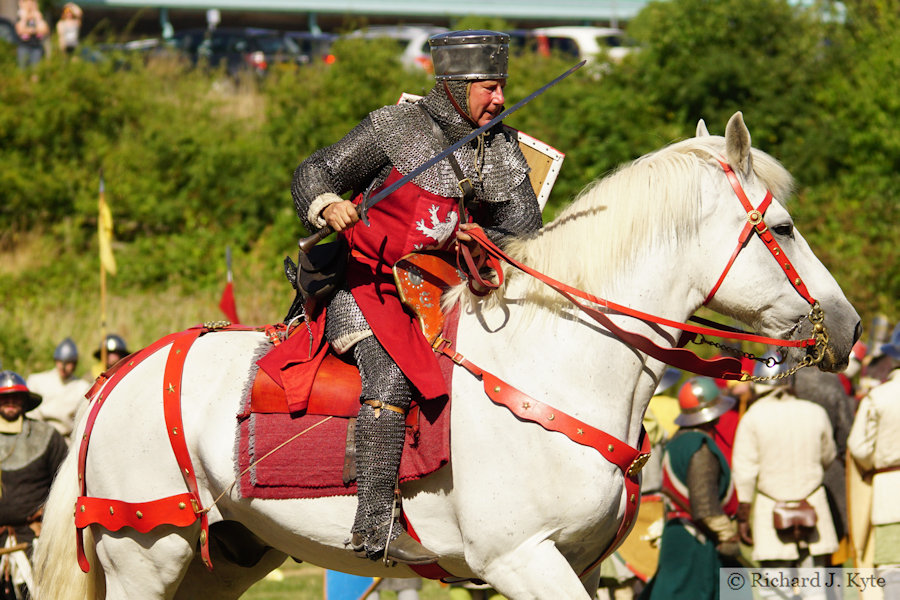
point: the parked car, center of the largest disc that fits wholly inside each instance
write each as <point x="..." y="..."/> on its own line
<point x="581" y="42"/>
<point x="412" y="41"/>
<point x="8" y="32"/>
<point x="313" y="46"/>
<point x="239" y="49"/>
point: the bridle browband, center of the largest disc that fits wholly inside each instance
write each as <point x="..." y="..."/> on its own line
<point x="721" y="367"/>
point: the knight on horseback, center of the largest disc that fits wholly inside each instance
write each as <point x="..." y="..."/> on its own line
<point x="485" y="181"/>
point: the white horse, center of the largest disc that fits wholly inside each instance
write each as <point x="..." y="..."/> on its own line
<point x="522" y="508"/>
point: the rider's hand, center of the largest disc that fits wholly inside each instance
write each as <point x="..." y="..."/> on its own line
<point x="340" y="215"/>
<point x="465" y="238"/>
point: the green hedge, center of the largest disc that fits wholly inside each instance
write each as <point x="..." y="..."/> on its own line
<point x="194" y="161"/>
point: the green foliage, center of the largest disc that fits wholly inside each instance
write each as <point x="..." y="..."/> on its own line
<point x="195" y="161"/>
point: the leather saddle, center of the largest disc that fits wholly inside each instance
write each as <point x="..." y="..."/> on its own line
<point x="421" y="279"/>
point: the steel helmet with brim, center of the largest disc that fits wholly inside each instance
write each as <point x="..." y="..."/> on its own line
<point x="701" y="401"/>
<point x="771" y="365"/>
<point x="669" y="378"/>
<point x="13" y="383"/>
<point x="892" y="348"/>
<point x="66" y="351"/>
<point x="113" y="343"/>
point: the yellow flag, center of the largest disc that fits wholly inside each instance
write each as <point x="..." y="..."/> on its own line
<point x="105" y="233"/>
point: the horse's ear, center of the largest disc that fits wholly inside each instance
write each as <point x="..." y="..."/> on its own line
<point x="702" y="131"/>
<point x="737" y="144"/>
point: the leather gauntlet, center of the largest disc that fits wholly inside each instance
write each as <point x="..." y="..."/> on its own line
<point x="726" y="534"/>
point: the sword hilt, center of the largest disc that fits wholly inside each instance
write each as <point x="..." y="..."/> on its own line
<point x="308" y="243"/>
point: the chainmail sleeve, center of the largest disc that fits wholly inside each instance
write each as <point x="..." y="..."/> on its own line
<point x="519" y="215"/>
<point x="350" y="164"/>
<point x="703" y="484"/>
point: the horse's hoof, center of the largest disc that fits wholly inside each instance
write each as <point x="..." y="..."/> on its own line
<point x="406" y="550"/>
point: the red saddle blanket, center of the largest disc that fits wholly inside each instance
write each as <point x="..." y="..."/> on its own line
<point x="276" y="462"/>
<point x="302" y="455"/>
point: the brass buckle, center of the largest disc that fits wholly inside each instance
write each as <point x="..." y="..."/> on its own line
<point x="637" y="464"/>
<point x="460" y="183"/>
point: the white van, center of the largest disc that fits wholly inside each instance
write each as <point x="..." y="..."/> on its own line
<point x="412" y="41"/>
<point x="583" y="42"/>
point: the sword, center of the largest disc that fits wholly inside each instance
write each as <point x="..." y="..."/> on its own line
<point x="306" y="244"/>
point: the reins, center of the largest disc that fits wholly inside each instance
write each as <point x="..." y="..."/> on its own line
<point x="720" y="367"/>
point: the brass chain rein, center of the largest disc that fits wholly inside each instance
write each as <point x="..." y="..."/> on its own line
<point x="816" y="318"/>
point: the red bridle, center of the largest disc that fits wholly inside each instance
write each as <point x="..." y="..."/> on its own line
<point x="756" y="223"/>
<point x="722" y="367"/>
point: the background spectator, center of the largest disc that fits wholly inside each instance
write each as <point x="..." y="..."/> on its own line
<point x="30" y="454"/>
<point x="781" y="450"/>
<point x="32" y="29"/>
<point x="699" y="534"/>
<point x="63" y="393"/>
<point x="68" y="28"/>
<point x="874" y="443"/>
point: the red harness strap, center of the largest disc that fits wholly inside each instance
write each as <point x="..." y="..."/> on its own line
<point x="629" y="460"/>
<point x="181" y="509"/>
<point x="756" y="223"/>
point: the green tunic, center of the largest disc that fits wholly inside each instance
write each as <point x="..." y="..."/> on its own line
<point x="688" y="561"/>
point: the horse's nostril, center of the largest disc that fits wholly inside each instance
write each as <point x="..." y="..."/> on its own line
<point x="857" y="333"/>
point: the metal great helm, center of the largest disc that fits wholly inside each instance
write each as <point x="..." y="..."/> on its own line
<point x="13" y="383"/>
<point x="701" y="401"/>
<point x="470" y="55"/>
<point x="66" y="351"/>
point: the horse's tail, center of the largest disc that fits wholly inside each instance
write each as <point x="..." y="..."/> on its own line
<point x="56" y="571"/>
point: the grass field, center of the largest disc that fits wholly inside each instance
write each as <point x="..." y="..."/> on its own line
<point x="306" y="582"/>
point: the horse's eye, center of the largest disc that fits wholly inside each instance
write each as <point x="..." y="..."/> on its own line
<point x="786" y="230"/>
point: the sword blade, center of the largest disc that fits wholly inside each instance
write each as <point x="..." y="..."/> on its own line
<point x="306" y="244"/>
<point x="468" y="138"/>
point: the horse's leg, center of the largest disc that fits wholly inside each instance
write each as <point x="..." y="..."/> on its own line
<point x="145" y="566"/>
<point x="239" y="560"/>
<point x="227" y="580"/>
<point x="535" y="571"/>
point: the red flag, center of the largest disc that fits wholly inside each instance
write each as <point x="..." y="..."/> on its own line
<point x="227" y="303"/>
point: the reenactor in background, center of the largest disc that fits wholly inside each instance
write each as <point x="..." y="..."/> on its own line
<point x="115" y="349"/>
<point x="30" y="454"/>
<point x="874" y="444"/>
<point x="63" y="393"/>
<point x="699" y="536"/>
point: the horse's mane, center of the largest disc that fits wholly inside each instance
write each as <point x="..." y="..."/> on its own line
<point x="650" y="203"/>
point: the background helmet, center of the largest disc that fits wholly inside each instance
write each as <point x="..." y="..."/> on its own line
<point x="470" y="55"/>
<point x="113" y="343"/>
<point x="892" y="348"/>
<point x="669" y="378"/>
<point x="12" y="383"/>
<point x="701" y="401"/>
<point x="775" y="364"/>
<point x="66" y="351"/>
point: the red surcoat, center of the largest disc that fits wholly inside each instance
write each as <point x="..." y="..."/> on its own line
<point x="410" y="219"/>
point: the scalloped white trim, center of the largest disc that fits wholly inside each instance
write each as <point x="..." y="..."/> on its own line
<point x="318" y="205"/>
<point x="348" y="340"/>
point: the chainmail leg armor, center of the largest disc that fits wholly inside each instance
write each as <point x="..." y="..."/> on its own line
<point x="380" y="435"/>
<point x="345" y="323"/>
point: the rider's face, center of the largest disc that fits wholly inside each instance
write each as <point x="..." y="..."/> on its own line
<point x="486" y="100"/>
